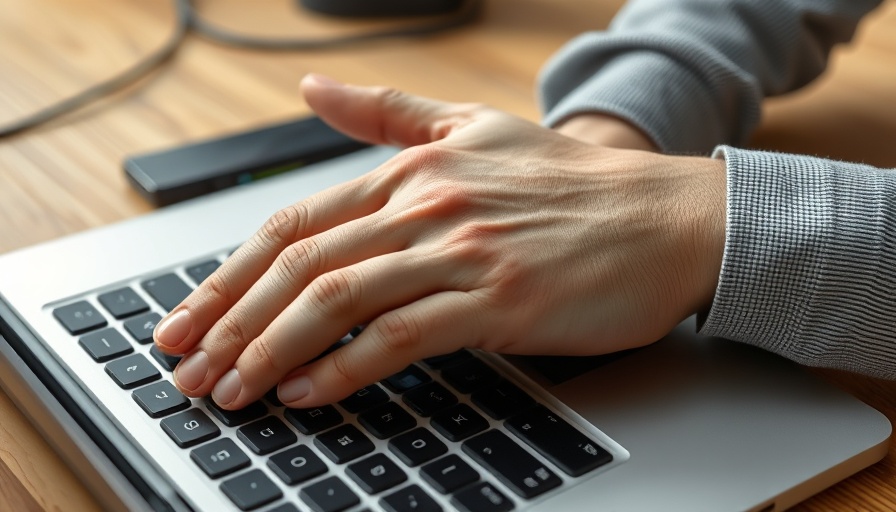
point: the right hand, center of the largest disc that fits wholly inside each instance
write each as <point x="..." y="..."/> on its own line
<point x="489" y="232"/>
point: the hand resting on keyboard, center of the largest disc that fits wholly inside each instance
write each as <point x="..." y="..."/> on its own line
<point x="487" y="231"/>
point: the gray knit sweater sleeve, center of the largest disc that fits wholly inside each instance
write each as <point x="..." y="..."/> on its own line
<point x="809" y="269"/>
<point x="692" y="73"/>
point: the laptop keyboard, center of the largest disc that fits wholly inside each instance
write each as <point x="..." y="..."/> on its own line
<point x="450" y="432"/>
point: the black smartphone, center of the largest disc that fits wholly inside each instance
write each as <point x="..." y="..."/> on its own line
<point x="175" y="174"/>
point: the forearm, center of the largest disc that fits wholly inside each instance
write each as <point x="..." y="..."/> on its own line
<point x="691" y="74"/>
<point x="810" y="261"/>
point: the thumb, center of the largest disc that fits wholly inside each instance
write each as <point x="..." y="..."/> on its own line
<point x="381" y="115"/>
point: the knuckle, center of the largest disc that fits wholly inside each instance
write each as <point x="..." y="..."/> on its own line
<point x="299" y="260"/>
<point x="424" y="157"/>
<point x="344" y="366"/>
<point x="386" y="95"/>
<point x="218" y="288"/>
<point x="398" y="332"/>
<point x="471" y="242"/>
<point x="336" y="292"/>
<point x="284" y="226"/>
<point x="418" y="164"/>
<point x="264" y="357"/>
<point x="232" y="332"/>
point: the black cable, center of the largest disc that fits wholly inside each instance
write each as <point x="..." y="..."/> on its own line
<point x="187" y="18"/>
<point x="183" y="11"/>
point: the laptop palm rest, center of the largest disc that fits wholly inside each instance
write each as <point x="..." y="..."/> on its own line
<point x="713" y="424"/>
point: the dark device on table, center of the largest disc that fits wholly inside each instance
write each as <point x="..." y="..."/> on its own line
<point x="172" y="175"/>
<point x="376" y="8"/>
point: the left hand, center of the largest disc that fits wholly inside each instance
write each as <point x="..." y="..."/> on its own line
<point x="488" y="232"/>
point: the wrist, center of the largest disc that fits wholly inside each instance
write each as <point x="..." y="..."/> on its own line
<point x="708" y="205"/>
<point x="606" y="130"/>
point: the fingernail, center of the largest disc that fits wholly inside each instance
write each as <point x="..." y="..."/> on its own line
<point x="191" y="372"/>
<point x="173" y="329"/>
<point x="325" y="80"/>
<point x="294" y="389"/>
<point x="227" y="388"/>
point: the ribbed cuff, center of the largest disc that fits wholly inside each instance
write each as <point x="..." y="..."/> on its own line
<point x="809" y="266"/>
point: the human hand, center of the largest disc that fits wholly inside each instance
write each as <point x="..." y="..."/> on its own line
<point x="488" y="232"/>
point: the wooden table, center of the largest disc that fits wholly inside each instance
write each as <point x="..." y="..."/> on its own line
<point x="67" y="177"/>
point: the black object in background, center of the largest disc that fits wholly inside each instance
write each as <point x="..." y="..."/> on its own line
<point x="374" y="8"/>
<point x="173" y="175"/>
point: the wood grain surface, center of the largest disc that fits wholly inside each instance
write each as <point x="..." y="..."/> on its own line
<point x="66" y="177"/>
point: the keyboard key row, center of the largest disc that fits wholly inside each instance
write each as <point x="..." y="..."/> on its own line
<point x="387" y="420"/>
<point x="343" y="443"/>
<point x="167" y="290"/>
<point x="513" y="465"/>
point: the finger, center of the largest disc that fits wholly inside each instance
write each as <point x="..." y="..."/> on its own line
<point x="437" y="324"/>
<point x="331" y="306"/>
<point x="295" y="267"/>
<point x="381" y="115"/>
<point x="184" y="326"/>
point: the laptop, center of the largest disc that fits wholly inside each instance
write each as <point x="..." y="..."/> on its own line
<point x="687" y="423"/>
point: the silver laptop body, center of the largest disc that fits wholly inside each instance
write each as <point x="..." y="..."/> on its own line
<point x="691" y="423"/>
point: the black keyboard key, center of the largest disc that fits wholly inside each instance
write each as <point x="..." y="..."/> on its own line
<point x="410" y="499"/>
<point x="343" y="443"/>
<point x="251" y="490"/>
<point x="312" y="421"/>
<point x="166" y="361"/>
<point x="220" y="457"/>
<point x="364" y="399"/>
<point x="558" y="441"/>
<point x="406" y="379"/>
<point x="105" y="344"/>
<point x="286" y="507"/>
<point x="266" y="435"/>
<point x="132" y="371"/>
<point x="198" y="273"/>
<point x="437" y="362"/>
<point x="271" y="397"/>
<point x="469" y="375"/>
<point x="168" y="290"/>
<point x="123" y="303"/>
<point x="376" y="473"/>
<point x="251" y="412"/>
<point x="482" y="497"/>
<point x="513" y="465"/>
<point x="297" y="465"/>
<point x="417" y="446"/>
<point x="329" y="495"/>
<point x="387" y="420"/>
<point x="79" y="317"/>
<point x="190" y="427"/>
<point x="160" y="399"/>
<point x="502" y="400"/>
<point x="429" y="398"/>
<point x="459" y="422"/>
<point x="141" y="327"/>
<point x="448" y="474"/>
